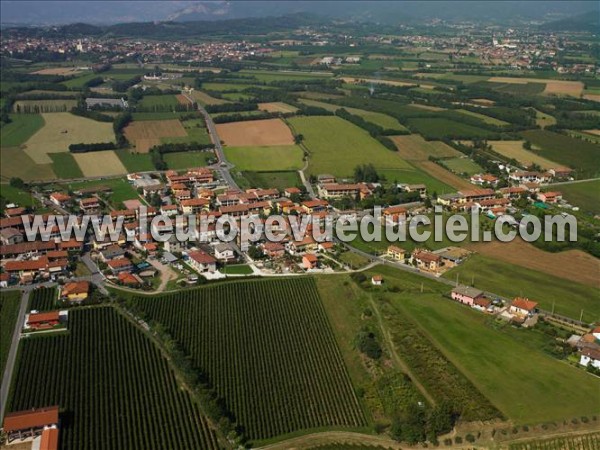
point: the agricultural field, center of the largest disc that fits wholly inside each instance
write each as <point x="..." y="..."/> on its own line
<point x="104" y="365"/>
<point x="443" y="175"/>
<point x="257" y="369"/>
<point x="15" y="195"/>
<point x="20" y="129"/>
<point x="579" y="441"/>
<point x="65" y="166"/>
<point x="267" y="76"/>
<point x="158" y="103"/>
<point x="10" y="302"/>
<point x="510" y="280"/>
<point x="164" y="115"/>
<point x="100" y="164"/>
<point x="147" y="133"/>
<point x="185" y="160"/>
<point x="413" y="147"/>
<point x="43" y="299"/>
<point x="337" y="146"/>
<point x="573" y="265"/>
<point x="43" y="106"/>
<point x="543" y="120"/>
<point x="438" y="128"/>
<point x="277" y="107"/>
<point x="585" y="135"/>
<point x="195" y="132"/>
<point x="64" y="71"/>
<point x="383" y="120"/>
<point x="255" y="133"/>
<point x="462" y="165"/>
<point x="463" y="335"/>
<point x="584" y="195"/>
<point x="515" y="150"/>
<point x="15" y="162"/>
<point x="552" y="87"/>
<point x="580" y="155"/>
<point x="272" y="158"/>
<point x="135" y="162"/>
<point x="279" y="180"/>
<point x="63" y="129"/>
<point x="204" y="99"/>
<point x="487" y="119"/>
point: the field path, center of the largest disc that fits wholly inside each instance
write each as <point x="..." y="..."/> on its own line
<point x="387" y="335"/>
<point x="333" y="437"/>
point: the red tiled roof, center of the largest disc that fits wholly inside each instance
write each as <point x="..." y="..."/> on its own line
<point x="77" y="287"/>
<point x="48" y="316"/>
<point x="116" y="263"/>
<point x="34" y="418"/>
<point x="426" y="256"/>
<point x="524" y="303"/>
<point x="202" y="257"/>
<point x="49" y="440"/>
<point x="34" y="264"/>
<point x="310" y="258"/>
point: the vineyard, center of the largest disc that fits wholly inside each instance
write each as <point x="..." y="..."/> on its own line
<point x="43" y="299"/>
<point x="267" y="349"/>
<point x="9" y="311"/>
<point x="113" y="386"/>
<point x="582" y="442"/>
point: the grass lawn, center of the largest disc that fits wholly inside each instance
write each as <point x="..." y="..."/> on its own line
<point x="354" y="260"/>
<point x="121" y="189"/>
<point x="15" y="195"/>
<point x="279" y="180"/>
<point x="505" y="279"/>
<point x="267" y="76"/>
<point x="276" y="158"/>
<point x="185" y="160"/>
<point x="135" y="162"/>
<point x="9" y="311"/>
<point x="337" y="146"/>
<point x="415" y="175"/>
<point x="65" y="166"/>
<point x="78" y="82"/>
<point x="237" y="269"/>
<point x="463" y="165"/>
<point x="507" y="365"/>
<point x="20" y="128"/>
<point x="571" y="152"/>
<point x="584" y="195"/>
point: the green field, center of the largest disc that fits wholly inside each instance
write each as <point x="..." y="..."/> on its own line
<point x="268" y="76"/>
<point x="337" y="146"/>
<point x="237" y="96"/>
<point x="107" y="375"/>
<point x="16" y="195"/>
<point x="462" y="165"/>
<point x="585" y="195"/>
<point x="383" y="120"/>
<point x="237" y="269"/>
<point x="121" y="189"/>
<point x="526" y="384"/>
<point x="271" y="158"/>
<point x="9" y="312"/>
<point x="79" y="81"/>
<point x="20" y="128"/>
<point x="136" y="162"/>
<point x="483" y="117"/>
<point x="264" y="336"/>
<point x="165" y="115"/>
<point x="221" y="87"/>
<point x="15" y="162"/>
<point x="278" y="180"/>
<point x="150" y="102"/>
<point x="65" y="166"/>
<point x="441" y="128"/>
<point x="186" y="160"/>
<point x="196" y="132"/>
<point x="502" y="278"/>
<point x="575" y="153"/>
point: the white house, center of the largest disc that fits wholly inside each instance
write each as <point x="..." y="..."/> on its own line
<point x="590" y="356"/>
<point x="224" y="252"/>
<point x="202" y="262"/>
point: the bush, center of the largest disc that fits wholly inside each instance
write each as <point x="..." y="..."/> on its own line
<point x="458" y="440"/>
<point x="470" y="438"/>
<point x="366" y="342"/>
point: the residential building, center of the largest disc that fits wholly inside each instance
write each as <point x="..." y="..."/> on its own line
<point x="309" y="261"/>
<point x="119" y="265"/>
<point x="523" y="307"/>
<point x="396" y="253"/>
<point x="202" y="262"/>
<point x="76" y="291"/>
<point x="224" y="252"/>
<point x="376" y="280"/>
<point x="426" y="260"/>
<point x="466" y="295"/>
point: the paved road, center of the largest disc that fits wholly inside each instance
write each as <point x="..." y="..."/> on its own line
<point x="12" y="354"/>
<point x="561" y="183"/>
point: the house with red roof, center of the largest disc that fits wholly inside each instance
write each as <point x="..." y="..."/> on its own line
<point x="309" y="261"/>
<point x="202" y="262"/>
<point x="426" y="260"/>
<point x="30" y="423"/>
<point x="523" y="307"/>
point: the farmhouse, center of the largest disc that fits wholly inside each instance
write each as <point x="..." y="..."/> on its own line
<point x="43" y="321"/>
<point x="396" y="253"/>
<point x="59" y="199"/>
<point x="561" y="172"/>
<point x="426" y="260"/>
<point x="466" y="295"/>
<point x="589" y="356"/>
<point x="30" y="423"/>
<point x="309" y="261"/>
<point x="202" y="262"/>
<point x="481" y="179"/>
<point x="523" y="307"/>
<point x="76" y="291"/>
<point x="549" y="197"/>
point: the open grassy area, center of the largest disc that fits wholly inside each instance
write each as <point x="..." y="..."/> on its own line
<point x="463" y="165"/>
<point x="135" y="162"/>
<point x="580" y="155"/>
<point x="100" y="164"/>
<point x="337" y="146"/>
<point x="509" y="280"/>
<point x="276" y="179"/>
<point x="196" y="132"/>
<point x="483" y="117"/>
<point x="158" y="101"/>
<point x="121" y="189"/>
<point x="237" y="269"/>
<point x="584" y="195"/>
<point x="15" y="162"/>
<point x="20" y="128"/>
<point x="16" y="195"/>
<point x="272" y="158"/>
<point x="267" y="76"/>
<point x="440" y="128"/>
<point x="65" y="166"/>
<point x="526" y="384"/>
<point x="185" y="160"/>
<point x="79" y="81"/>
<point x="514" y="149"/>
